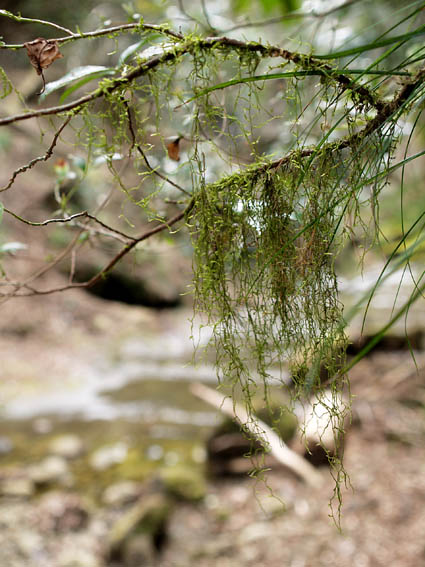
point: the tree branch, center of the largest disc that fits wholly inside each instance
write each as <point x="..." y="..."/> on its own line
<point x="387" y="110"/>
<point x="83" y="214"/>
<point x="45" y="157"/>
<point x="384" y="111"/>
<point x="93" y="34"/>
<point x="267" y="437"/>
<point x="303" y="61"/>
<point x="102" y="273"/>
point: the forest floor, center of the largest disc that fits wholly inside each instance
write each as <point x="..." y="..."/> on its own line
<point x="241" y="521"/>
<point x="382" y="514"/>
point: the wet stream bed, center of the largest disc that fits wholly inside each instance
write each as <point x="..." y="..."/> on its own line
<point x="95" y="403"/>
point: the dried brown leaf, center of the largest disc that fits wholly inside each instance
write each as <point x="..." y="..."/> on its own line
<point x="42" y="52"/>
<point x="174" y="149"/>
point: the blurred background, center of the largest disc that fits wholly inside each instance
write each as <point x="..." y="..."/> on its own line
<point x="107" y="457"/>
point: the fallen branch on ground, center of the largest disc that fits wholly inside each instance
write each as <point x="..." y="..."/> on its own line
<point x="268" y="438"/>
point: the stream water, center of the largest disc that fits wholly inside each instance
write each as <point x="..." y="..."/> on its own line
<point x="129" y="393"/>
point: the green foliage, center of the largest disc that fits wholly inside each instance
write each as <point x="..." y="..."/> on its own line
<point x="268" y="6"/>
<point x="80" y="74"/>
<point x="6" y="84"/>
<point x="264" y="269"/>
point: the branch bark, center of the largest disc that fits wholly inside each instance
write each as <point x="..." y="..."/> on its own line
<point x="104" y="271"/>
<point x="188" y="45"/>
<point x="270" y="440"/>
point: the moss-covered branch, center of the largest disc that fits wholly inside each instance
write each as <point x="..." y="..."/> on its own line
<point x="188" y="45"/>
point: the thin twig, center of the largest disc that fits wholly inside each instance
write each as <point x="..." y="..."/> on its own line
<point x="49" y="111"/>
<point x="158" y="173"/>
<point x="18" y="18"/>
<point x="45" y="157"/>
<point x="142" y="153"/>
<point x="104" y="271"/>
<point x="83" y="214"/>
<point x="48" y="221"/>
<point x="105" y="31"/>
<point x="43" y="270"/>
<point x="98" y="231"/>
<point x="109" y="228"/>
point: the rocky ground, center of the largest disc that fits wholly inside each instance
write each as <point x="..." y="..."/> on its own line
<point x="184" y="518"/>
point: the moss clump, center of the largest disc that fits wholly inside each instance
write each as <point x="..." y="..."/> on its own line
<point x="183" y="482"/>
<point x="147" y="516"/>
<point x="281" y="419"/>
<point x="264" y="271"/>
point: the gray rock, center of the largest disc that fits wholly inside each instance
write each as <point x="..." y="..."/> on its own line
<point x="67" y="446"/>
<point x="121" y="493"/>
<point x="77" y="557"/>
<point x="108" y="456"/>
<point x="254" y="532"/>
<point x="6" y="445"/>
<point x="62" y="512"/>
<point x="53" y="469"/>
<point x="138" y="550"/>
<point x="29" y="543"/>
<point x="42" y="425"/>
<point x="19" y="487"/>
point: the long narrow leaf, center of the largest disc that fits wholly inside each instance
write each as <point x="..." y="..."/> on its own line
<point x="134" y="47"/>
<point x="374" y="45"/>
<point x="81" y="83"/>
<point x="87" y="71"/>
<point x="382" y="332"/>
<point x="290" y="74"/>
<point x="401" y="242"/>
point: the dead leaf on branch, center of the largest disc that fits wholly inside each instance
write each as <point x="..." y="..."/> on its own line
<point x="42" y="53"/>
<point x="174" y="149"/>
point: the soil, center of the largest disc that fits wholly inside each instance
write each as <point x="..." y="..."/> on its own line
<point x="272" y="522"/>
<point x="382" y="514"/>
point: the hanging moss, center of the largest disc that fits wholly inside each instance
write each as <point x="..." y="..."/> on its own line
<point x="264" y="269"/>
